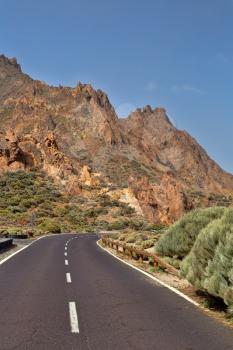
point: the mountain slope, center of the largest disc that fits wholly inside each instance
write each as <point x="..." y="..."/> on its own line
<point x="75" y="135"/>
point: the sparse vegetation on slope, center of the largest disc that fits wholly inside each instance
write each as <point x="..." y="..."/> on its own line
<point x="30" y="202"/>
<point x="27" y="200"/>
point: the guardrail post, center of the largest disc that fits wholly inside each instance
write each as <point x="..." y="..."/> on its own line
<point x="130" y="253"/>
<point x="155" y="264"/>
<point x="141" y="259"/>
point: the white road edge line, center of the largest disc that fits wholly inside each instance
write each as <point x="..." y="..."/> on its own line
<point x="18" y="251"/>
<point x="26" y="246"/>
<point x="66" y="262"/>
<point x="68" y="277"/>
<point x="73" y="317"/>
<point x="152" y="277"/>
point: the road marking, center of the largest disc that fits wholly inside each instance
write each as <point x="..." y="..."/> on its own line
<point x="65" y="254"/>
<point x="66" y="262"/>
<point x="152" y="277"/>
<point x="68" y="277"/>
<point x="27" y="246"/>
<point x="73" y="317"/>
<point x="65" y="248"/>
<point x="18" y="251"/>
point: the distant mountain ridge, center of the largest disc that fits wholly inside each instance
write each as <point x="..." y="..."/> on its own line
<point x="75" y="135"/>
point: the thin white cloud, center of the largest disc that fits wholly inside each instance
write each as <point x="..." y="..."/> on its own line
<point x="188" y="88"/>
<point x="152" y="86"/>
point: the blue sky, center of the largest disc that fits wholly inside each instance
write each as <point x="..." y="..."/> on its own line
<point x="172" y="53"/>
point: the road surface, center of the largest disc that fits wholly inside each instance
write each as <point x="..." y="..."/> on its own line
<point x="62" y="293"/>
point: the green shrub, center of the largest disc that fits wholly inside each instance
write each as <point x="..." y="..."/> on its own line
<point x="101" y="211"/>
<point x="17" y="209"/>
<point x="89" y="229"/>
<point x="49" y="226"/>
<point x="173" y="261"/>
<point x="46" y="205"/>
<point x="122" y="237"/>
<point x="136" y="225"/>
<point x="90" y="213"/>
<point x="178" y="240"/>
<point x="131" y="238"/>
<point x="75" y="216"/>
<point x="148" y="244"/>
<point x="114" y="236"/>
<point x="107" y="201"/>
<point x="28" y="203"/>
<point x="143" y="236"/>
<point x="14" y="231"/>
<point x="126" y="210"/>
<point x="14" y="200"/>
<point x="209" y="265"/>
<point x="117" y="225"/>
<point x="102" y="224"/>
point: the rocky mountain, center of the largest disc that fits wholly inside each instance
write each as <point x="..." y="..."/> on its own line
<point x="75" y="135"/>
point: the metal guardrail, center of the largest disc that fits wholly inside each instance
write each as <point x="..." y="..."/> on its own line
<point x="139" y="254"/>
<point x="5" y="243"/>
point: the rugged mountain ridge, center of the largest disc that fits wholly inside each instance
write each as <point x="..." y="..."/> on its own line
<point x="75" y="135"/>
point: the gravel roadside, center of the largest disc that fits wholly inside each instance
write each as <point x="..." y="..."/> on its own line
<point x="17" y="245"/>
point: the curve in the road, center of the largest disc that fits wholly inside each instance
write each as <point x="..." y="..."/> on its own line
<point x="106" y="304"/>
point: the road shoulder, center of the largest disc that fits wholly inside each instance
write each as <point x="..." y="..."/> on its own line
<point x="197" y="301"/>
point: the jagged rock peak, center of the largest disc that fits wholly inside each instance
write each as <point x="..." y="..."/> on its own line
<point x="147" y="111"/>
<point x="98" y="95"/>
<point x="10" y="61"/>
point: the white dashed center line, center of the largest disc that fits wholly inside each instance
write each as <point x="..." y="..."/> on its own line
<point x="74" y="325"/>
<point x="73" y="317"/>
<point x="68" y="277"/>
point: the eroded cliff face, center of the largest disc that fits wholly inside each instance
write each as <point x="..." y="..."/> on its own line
<point x="164" y="202"/>
<point x="75" y="135"/>
<point x="174" y="151"/>
<point x="27" y="153"/>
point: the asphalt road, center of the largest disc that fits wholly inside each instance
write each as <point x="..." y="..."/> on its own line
<point x="54" y="288"/>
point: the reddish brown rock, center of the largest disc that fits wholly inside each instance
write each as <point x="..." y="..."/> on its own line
<point x="161" y="203"/>
<point x="73" y="133"/>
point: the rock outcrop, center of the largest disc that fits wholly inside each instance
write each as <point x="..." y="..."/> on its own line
<point x="74" y="133"/>
<point x="164" y="202"/>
